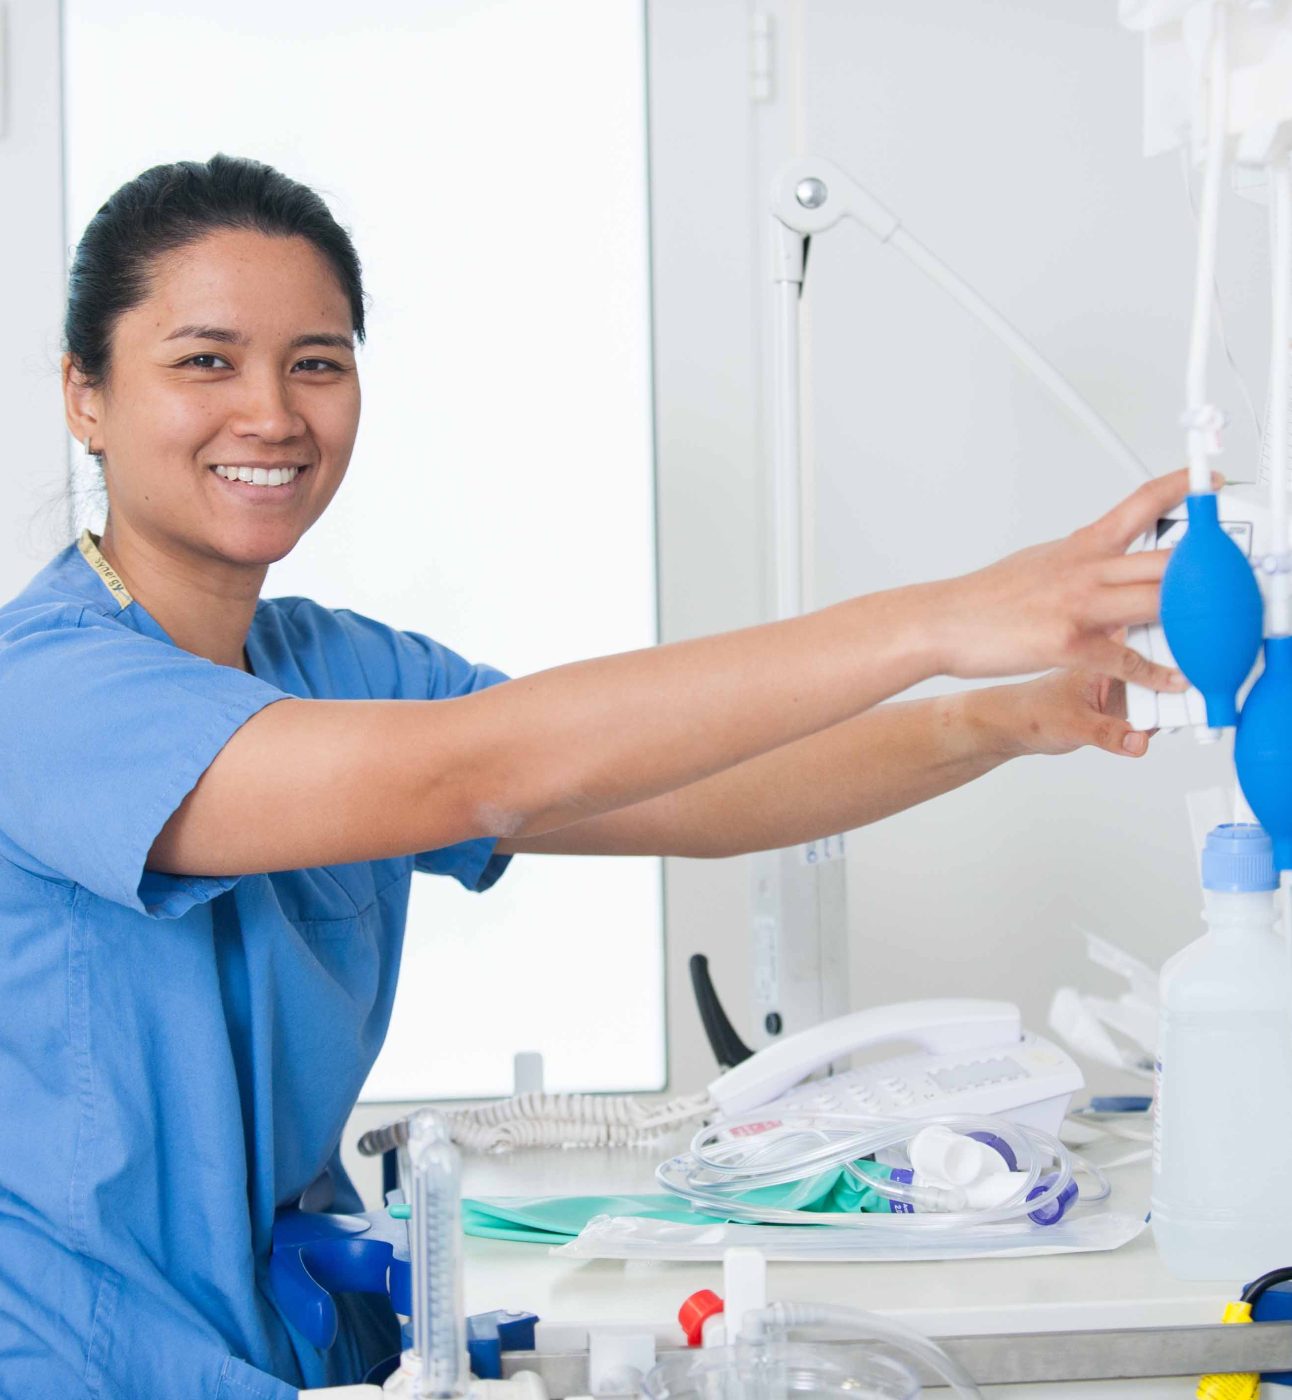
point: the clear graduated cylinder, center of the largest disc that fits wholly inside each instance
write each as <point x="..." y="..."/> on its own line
<point x="1222" y="1132"/>
<point x="437" y="1365"/>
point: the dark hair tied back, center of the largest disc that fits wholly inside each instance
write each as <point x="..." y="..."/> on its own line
<point x="171" y="206"/>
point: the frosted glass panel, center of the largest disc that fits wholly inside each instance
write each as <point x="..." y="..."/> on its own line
<point x="501" y="494"/>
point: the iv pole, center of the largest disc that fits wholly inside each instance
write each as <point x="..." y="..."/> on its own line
<point x="800" y="916"/>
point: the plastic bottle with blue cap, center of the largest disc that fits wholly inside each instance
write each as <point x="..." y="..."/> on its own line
<point x="1222" y="1130"/>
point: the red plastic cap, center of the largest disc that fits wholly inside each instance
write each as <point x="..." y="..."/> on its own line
<point x="695" y="1312"/>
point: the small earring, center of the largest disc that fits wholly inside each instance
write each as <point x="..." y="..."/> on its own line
<point x="89" y="451"/>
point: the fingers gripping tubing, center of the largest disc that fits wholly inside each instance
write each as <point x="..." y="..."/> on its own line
<point x="1130" y="518"/>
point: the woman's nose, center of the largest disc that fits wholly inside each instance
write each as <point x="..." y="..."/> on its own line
<point x="265" y="410"/>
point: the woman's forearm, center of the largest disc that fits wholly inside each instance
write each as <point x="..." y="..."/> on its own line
<point x="320" y="782"/>
<point x="857" y="772"/>
<point x="573" y="742"/>
<point x="587" y="741"/>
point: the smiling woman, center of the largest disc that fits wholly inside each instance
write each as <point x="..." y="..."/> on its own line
<point x="207" y="844"/>
<point x="207" y="364"/>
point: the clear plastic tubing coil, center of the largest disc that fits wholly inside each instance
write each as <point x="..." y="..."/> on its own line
<point x="732" y="1158"/>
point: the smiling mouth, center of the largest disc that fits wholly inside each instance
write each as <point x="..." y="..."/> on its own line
<point x="259" y="476"/>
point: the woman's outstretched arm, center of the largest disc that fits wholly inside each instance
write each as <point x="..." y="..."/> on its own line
<point x="884" y="761"/>
<point x="318" y="782"/>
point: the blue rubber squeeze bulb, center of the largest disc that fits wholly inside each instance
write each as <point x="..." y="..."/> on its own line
<point x="1212" y="611"/>
<point x="1263" y="748"/>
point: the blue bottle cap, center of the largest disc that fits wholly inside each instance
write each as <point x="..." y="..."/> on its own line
<point x="1239" y="858"/>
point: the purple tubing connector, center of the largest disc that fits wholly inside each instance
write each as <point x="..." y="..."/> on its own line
<point x="998" y="1145"/>
<point x="1052" y="1211"/>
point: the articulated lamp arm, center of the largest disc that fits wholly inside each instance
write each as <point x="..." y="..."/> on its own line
<point x="812" y="195"/>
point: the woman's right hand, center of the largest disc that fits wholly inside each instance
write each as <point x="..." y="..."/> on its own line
<point x="1059" y="604"/>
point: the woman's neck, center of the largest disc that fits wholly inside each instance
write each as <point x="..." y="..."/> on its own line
<point x="204" y="604"/>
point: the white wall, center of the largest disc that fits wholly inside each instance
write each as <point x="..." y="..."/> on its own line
<point x="1008" y="139"/>
<point x="1007" y="136"/>
<point x="33" y="520"/>
<point x="709" y="479"/>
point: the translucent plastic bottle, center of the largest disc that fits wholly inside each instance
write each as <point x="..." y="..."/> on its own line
<point x="1222" y="1131"/>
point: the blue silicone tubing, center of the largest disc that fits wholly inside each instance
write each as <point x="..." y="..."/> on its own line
<point x="1263" y="748"/>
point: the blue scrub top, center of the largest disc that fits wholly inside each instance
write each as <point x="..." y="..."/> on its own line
<point x="178" y="1054"/>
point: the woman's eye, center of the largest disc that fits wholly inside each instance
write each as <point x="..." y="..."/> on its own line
<point x="207" y="362"/>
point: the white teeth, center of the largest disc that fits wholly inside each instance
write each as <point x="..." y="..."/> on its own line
<point x="259" y="476"/>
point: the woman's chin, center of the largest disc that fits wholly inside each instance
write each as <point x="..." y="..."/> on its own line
<point x="257" y="545"/>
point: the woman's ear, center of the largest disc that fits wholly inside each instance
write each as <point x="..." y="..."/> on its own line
<point x="82" y="404"/>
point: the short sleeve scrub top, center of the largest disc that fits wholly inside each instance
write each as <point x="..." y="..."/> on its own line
<point x="178" y="1055"/>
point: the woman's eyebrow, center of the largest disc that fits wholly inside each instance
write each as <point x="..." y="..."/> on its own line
<point x="337" y="342"/>
<point x="228" y="337"/>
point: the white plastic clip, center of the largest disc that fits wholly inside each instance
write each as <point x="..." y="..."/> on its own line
<point x="1208" y="422"/>
<point x="744" y="1288"/>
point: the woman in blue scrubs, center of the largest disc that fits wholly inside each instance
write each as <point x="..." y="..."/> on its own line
<point x="213" y="803"/>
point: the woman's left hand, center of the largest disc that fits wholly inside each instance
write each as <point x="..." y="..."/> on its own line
<point x="1061" y="712"/>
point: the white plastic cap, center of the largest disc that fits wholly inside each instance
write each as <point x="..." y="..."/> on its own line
<point x="948" y="1158"/>
<point x="993" y="1191"/>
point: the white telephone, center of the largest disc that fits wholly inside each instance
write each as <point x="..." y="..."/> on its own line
<point x="975" y="1058"/>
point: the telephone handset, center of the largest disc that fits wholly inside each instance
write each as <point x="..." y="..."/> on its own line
<point x="975" y="1057"/>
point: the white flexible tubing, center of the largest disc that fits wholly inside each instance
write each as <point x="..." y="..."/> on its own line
<point x="1281" y="277"/>
<point x="781" y="1317"/>
<point x="1022" y="349"/>
<point x="1197" y="409"/>
<point x="1218" y="309"/>
<point x="787" y="486"/>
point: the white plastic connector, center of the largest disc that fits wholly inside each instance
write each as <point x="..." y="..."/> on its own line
<point x="526" y="1072"/>
<point x="992" y="1191"/>
<point x="524" y="1385"/>
<point x="945" y="1158"/>
<point x="618" y="1359"/>
<point x="744" y="1289"/>
<point x="560" y="1336"/>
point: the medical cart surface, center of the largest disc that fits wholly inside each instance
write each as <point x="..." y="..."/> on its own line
<point x="1152" y="1322"/>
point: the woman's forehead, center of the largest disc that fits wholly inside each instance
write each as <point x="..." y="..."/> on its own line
<point x="248" y="282"/>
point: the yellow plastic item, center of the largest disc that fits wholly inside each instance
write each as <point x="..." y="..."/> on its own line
<point x="1238" y="1385"/>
